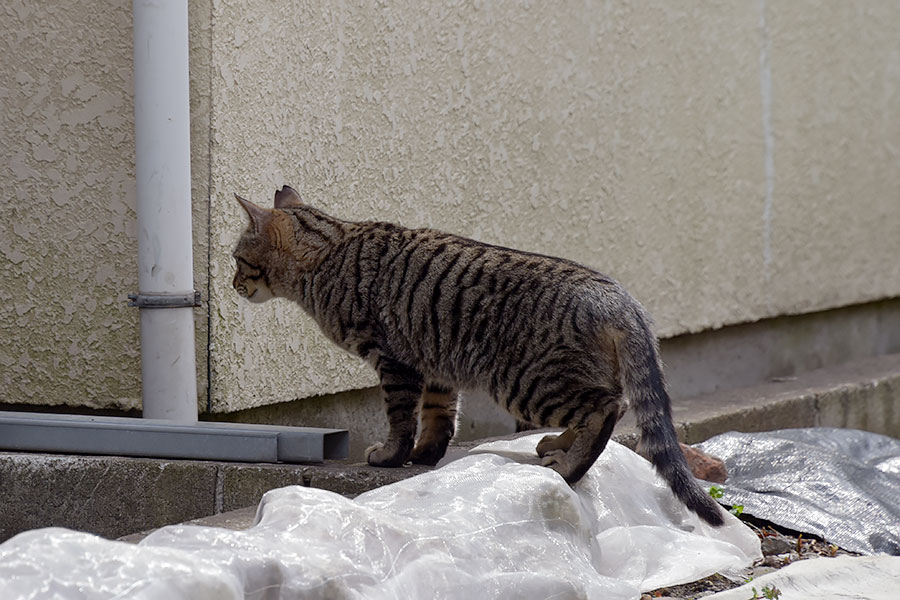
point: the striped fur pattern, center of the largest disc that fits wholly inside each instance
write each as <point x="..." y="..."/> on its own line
<point x="555" y="343"/>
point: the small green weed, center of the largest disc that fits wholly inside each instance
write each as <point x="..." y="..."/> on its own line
<point x="770" y="592"/>
<point x="716" y="492"/>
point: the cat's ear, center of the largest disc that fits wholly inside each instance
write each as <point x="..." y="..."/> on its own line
<point x="287" y="196"/>
<point x="258" y="216"/>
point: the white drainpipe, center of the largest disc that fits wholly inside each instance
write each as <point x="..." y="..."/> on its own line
<point x="163" y="169"/>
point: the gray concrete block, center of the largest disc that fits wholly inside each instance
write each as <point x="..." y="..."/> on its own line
<point x="779" y="413"/>
<point x="353" y="480"/>
<point x="244" y="485"/>
<point x="871" y="407"/>
<point x="108" y="496"/>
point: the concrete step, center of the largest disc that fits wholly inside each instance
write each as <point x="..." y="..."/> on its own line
<point x="117" y="496"/>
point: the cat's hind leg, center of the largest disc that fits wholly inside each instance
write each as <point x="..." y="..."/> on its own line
<point x="588" y="440"/>
<point x="401" y="387"/>
<point x="438" y="424"/>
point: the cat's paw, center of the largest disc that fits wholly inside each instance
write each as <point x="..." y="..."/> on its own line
<point x="565" y="465"/>
<point x="427" y="455"/>
<point x="372" y="449"/>
<point x="554" y="459"/>
<point x="378" y="455"/>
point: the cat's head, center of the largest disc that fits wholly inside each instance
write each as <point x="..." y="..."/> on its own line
<point x="273" y="248"/>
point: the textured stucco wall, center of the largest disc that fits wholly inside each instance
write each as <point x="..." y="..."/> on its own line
<point x="726" y="161"/>
<point x="68" y="251"/>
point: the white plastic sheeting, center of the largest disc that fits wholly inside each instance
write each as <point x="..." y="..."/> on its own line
<point x="844" y="578"/>
<point x="485" y="526"/>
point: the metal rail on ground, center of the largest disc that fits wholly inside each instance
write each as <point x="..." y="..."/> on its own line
<point x="122" y="436"/>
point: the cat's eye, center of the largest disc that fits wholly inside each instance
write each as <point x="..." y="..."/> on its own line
<point x="248" y="270"/>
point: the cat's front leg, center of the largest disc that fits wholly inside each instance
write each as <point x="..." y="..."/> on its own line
<point x="439" y="405"/>
<point x="401" y="386"/>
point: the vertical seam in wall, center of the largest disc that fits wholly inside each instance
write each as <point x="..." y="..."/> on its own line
<point x="765" y="81"/>
<point x="219" y="498"/>
<point x="209" y="221"/>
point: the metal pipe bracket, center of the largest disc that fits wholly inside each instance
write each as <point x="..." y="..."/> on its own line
<point x="142" y="300"/>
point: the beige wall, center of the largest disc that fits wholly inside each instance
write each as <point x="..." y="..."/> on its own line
<point x="727" y="162"/>
<point x="68" y="251"/>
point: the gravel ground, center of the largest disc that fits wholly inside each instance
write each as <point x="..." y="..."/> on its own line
<point x="780" y="548"/>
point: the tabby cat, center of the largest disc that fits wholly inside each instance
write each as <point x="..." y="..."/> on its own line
<point x="555" y="343"/>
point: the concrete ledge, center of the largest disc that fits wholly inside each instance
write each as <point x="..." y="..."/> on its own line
<point x="116" y="496"/>
<point x="864" y="395"/>
<point x="108" y="496"/>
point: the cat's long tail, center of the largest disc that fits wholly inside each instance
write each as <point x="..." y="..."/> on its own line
<point x="644" y="385"/>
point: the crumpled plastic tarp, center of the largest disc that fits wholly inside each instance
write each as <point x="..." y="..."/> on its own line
<point x="485" y="526"/>
<point x="842" y="485"/>
<point x="842" y="578"/>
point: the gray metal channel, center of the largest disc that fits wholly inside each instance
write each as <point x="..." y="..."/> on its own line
<point x="120" y="436"/>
